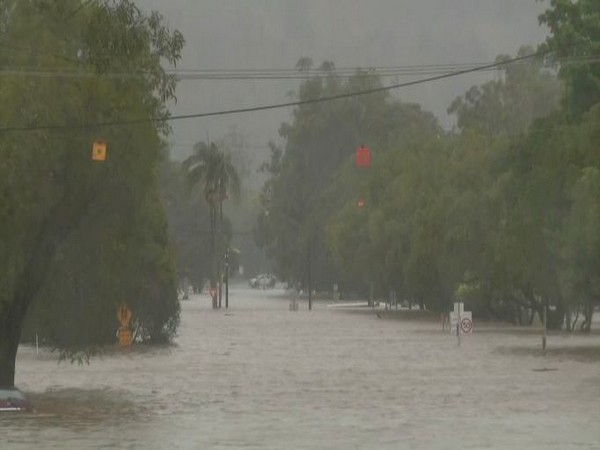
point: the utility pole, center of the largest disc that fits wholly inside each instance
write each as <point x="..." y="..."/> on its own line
<point x="544" y="330"/>
<point x="227" y="279"/>
<point x="309" y="276"/>
<point x="220" y="287"/>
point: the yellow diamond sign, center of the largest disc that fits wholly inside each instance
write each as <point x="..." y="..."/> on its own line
<point x="99" y="151"/>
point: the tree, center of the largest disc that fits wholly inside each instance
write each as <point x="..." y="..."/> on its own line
<point x="582" y="245"/>
<point x="187" y="216"/>
<point x="213" y="169"/>
<point x="506" y="107"/>
<point x="52" y="193"/>
<point x="320" y="141"/>
<point x="574" y="30"/>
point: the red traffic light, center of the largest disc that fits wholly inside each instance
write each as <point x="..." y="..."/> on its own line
<point x="363" y="156"/>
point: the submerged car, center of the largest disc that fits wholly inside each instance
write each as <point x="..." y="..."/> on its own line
<point x="264" y="280"/>
<point x="12" y="399"/>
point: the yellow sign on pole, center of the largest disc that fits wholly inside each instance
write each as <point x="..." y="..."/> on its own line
<point x="99" y="151"/>
<point x="124" y="317"/>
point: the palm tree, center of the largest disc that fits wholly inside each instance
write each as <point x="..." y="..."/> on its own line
<point x="213" y="169"/>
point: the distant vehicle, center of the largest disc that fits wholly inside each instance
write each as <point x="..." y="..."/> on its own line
<point x="13" y="400"/>
<point x="264" y="280"/>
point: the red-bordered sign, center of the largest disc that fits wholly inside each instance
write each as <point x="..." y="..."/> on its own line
<point x="466" y="325"/>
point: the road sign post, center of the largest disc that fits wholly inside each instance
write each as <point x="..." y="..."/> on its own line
<point x="213" y="296"/>
<point x="544" y="332"/>
<point x="124" y="317"/>
<point x="461" y="321"/>
<point x="227" y="279"/>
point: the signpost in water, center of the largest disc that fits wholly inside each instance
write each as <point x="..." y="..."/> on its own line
<point x="461" y="321"/>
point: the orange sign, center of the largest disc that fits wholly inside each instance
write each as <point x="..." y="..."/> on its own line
<point x="124" y="315"/>
<point x="99" y="151"/>
<point x="124" y="337"/>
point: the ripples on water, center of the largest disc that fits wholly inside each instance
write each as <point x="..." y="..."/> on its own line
<point x="261" y="377"/>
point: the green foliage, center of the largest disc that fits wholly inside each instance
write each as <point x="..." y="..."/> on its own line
<point x="214" y="170"/>
<point x="502" y="215"/>
<point x="507" y="106"/>
<point x="575" y="35"/>
<point x="188" y="223"/>
<point x="77" y="237"/>
<point x="305" y="188"/>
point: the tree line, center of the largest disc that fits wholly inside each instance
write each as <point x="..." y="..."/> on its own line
<point x="502" y="212"/>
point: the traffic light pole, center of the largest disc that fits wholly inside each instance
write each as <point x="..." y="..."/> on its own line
<point x="227" y="286"/>
<point x="309" y="277"/>
<point x="227" y="279"/>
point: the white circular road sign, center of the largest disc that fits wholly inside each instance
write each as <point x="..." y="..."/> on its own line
<point x="466" y="325"/>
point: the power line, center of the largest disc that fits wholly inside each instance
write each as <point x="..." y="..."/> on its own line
<point x="206" y="77"/>
<point x="116" y="123"/>
<point x="272" y="74"/>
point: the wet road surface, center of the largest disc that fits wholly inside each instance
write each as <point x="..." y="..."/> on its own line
<point x="261" y="377"/>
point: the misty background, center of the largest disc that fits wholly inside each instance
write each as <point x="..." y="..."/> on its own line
<point x="274" y="34"/>
<point x="225" y="35"/>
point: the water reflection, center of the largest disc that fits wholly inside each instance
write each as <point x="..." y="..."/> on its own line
<point x="260" y="376"/>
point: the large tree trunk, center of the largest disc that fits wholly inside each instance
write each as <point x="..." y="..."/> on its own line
<point x="50" y="235"/>
<point x="531" y="316"/>
<point x="11" y="322"/>
<point x="9" y="343"/>
<point x="29" y="282"/>
<point x="556" y="318"/>
<point x="588" y="312"/>
<point x="568" y="319"/>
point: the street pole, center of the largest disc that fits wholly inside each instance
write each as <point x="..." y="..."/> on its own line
<point x="544" y="331"/>
<point x="220" y="288"/>
<point x="309" y="277"/>
<point x="227" y="279"/>
<point x="458" y="325"/>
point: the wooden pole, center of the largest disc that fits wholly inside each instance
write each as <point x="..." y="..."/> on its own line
<point x="227" y="284"/>
<point x="220" y="288"/>
<point x="458" y="323"/>
<point x="309" y="277"/>
<point x="544" y="331"/>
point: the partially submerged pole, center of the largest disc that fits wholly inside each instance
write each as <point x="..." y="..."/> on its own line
<point x="458" y="322"/>
<point x="309" y="277"/>
<point x="544" y="331"/>
<point x="220" y="288"/>
<point x="227" y="279"/>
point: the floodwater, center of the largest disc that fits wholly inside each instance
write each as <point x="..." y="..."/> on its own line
<point x="261" y="377"/>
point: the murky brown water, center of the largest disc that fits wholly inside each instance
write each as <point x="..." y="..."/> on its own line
<point x="261" y="377"/>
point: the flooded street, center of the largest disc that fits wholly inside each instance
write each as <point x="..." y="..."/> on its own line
<point x="261" y="377"/>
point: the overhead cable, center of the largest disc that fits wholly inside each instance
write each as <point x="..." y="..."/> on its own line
<point x="125" y="122"/>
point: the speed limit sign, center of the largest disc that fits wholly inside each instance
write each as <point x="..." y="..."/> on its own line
<point x="466" y="325"/>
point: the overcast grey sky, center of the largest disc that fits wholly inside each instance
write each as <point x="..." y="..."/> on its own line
<point x="259" y="34"/>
